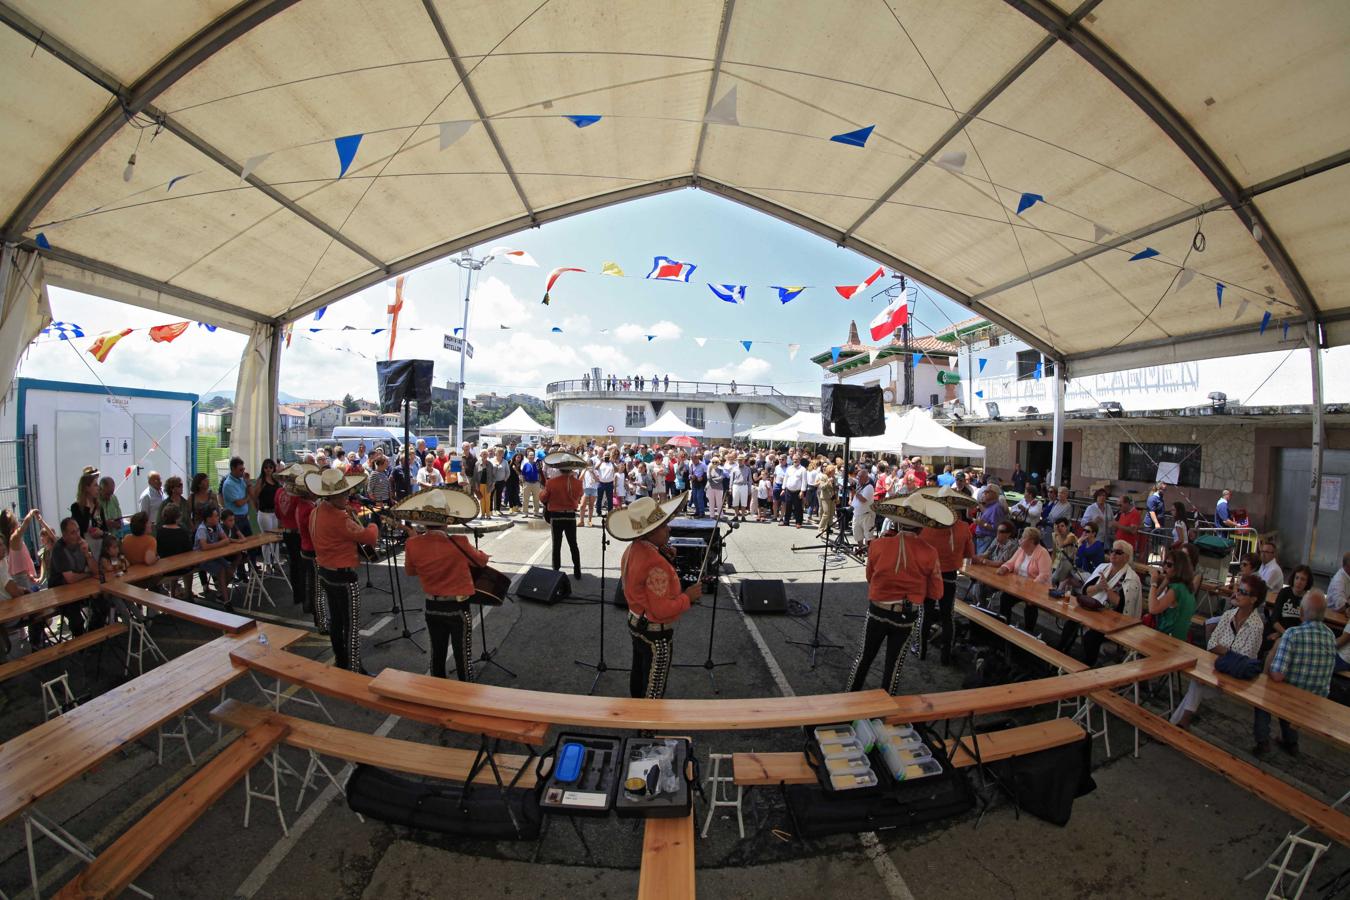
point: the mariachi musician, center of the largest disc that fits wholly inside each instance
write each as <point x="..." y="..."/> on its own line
<point x="902" y="573"/>
<point x="954" y="545"/>
<point x="288" y="504"/>
<point x="442" y="563"/>
<point x="336" y="533"/>
<point x="316" y="601"/>
<point x="652" y="588"/>
<point x="561" y="496"/>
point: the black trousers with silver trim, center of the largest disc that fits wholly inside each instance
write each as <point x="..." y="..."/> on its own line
<point x="899" y="629"/>
<point x="943" y="610"/>
<point x="342" y="590"/>
<point x="450" y="624"/>
<point x="651" y="661"/>
<point x="316" y="600"/>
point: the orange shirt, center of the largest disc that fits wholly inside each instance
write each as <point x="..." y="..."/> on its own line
<point x="651" y="584"/>
<point x="442" y="568"/>
<point x="902" y="567"/>
<point x="335" y="536"/>
<point x="134" y="548"/>
<point x="953" y="545"/>
<point x="562" y="493"/>
<point x="304" y="507"/>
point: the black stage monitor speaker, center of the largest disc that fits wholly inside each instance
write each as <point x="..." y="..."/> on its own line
<point x="404" y="379"/>
<point x="851" y="410"/>
<point x="543" y="586"/>
<point x="763" y="595"/>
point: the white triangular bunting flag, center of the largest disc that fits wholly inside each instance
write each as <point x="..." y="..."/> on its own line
<point x="872" y="355"/>
<point x="252" y="163"/>
<point x="700" y="341"/>
<point x="1100" y="233"/>
<point x="1242" y="308"/>
<point x="953" y="160"/>
<point x="723" y="112"/>
<point x="792" y="350"/>
<point x="453" y="131"/>
<point x="1184" y="278"/>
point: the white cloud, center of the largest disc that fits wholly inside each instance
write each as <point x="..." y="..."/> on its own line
<point x="747" y="370"/>
<point x="631" y="333"/>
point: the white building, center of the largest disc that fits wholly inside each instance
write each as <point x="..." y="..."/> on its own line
<point x="928" y="361"/>
<point x="586" y="408"/>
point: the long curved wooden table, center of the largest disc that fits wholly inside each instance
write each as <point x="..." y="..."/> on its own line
<point x="1105" y="621"/>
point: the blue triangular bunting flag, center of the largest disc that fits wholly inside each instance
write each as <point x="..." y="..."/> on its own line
<point x="346" y="151"/>
<point x="457" y="330"/>
<point x="650" y="338"/>
<point x="1218" y="292"/>
<point x="1146" y="253"/>
<point x="729" y="293"/>
<point x="175" y="180"/>
<point x="1265" y="320"/>
<point x="1286" y="331"/>
<point x="555" y="330"/>
<point x="1037" y="373"/>
<point x="41" y="241"/>
<point x="980" y="394"/>
<point x="983" y="361"/>
<point x="917" y="357"/>
<point x="834" y="354"/>
<point x="854" y="138"/>
<point x="746" y="345"/>
<point x="1027" y="201"/>
<point x="582" y="121"/>
<point x="787" y="294"/>
<point x="318" y="313"/>
<point x="376" y="330"/>
<point x="206" y="326"/>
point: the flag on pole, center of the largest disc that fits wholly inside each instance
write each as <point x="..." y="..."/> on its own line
<point x="666" y="269"/>
<point x="163" y="334"/>
<point x="890" y="318"/>
<point x="847" y="291"/>
<point x="100" y="348"/>
<point x="728" y="293"/>
<point x="553" y="277"/>
<point x="394" y="308"/>
<point x="787" y="294"/>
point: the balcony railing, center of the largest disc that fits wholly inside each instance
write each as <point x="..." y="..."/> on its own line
<point x="664" y="386"/>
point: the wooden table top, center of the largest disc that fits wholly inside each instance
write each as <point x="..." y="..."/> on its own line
<point x="626" y="713"/>
<point x="989" y="622"/>
<point x="1105" y="621"/>
<point x="44" y="758"/>
<point x="228" y="623"/>
<point x="50" y="598"/>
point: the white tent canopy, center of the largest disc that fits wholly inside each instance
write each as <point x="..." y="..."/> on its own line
<point x="668" y="425"/>
<point x="519" y="422"/>
<point x="801" y="426"/>
<point x="916" y="434"/>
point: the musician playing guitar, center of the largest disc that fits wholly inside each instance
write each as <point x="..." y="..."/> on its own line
<point x="336" y="533"/>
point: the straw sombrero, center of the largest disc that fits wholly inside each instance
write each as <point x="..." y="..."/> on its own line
<point x="331" y="482"/>
<point x="642" y="516"/>
<point x="564" y="461"/>
<point x="292" y="477"/>
<point x="949" y="497"/>
<point x="915" y="510"/>
<point x="442" y="505"/>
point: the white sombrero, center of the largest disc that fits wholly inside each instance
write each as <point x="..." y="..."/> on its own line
<point x="564" y="460"/>
<point x="642" y="516"/>
<point x="332" y="482"/>
<point x="442" y="505"/>
<point x="915" y="510"/>
<point x="292" y="477"/>
<point x="949" y="497"/>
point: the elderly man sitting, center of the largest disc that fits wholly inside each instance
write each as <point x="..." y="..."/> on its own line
<point x="1115" y="585"/>
<point x="1304" y="658"/>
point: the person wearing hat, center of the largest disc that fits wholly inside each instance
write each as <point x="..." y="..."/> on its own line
<point x="336" y="533"/>
<point x="954" y="545"/>
<point x="441" y="562"/>
<point x="652" y="589"/>
<point x="902" y="576"/>
<point x="561" y="497"/>
<point x="315" y="599"/>
<point x="288" y="502"/>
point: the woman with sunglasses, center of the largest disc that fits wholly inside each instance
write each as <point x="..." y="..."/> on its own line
<point x="1114" y="584"/>
<point x="1170" y="600"/>
<point x="1239" y="629"/>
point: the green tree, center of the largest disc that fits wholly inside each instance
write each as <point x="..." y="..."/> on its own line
<point x="348" y="403"/>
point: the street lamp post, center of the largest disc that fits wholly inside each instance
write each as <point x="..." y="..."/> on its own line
<point x="465" y="261"/>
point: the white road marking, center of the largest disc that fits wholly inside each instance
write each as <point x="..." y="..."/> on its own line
<point x="379" y="623"/>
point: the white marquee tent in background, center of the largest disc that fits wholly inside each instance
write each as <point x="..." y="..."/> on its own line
<point x="916" y="434"/>
<point x="670" y="425"/>
<point x="802" y="426"/>
<point x="519" y="422"/>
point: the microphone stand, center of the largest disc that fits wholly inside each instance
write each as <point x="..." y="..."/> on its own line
<point x="708" y="663"/>
<point x="395" y="584"/>
<point x="486" y="655"/>
<point x="815" y="643"/>
<point x="600" y="666"/>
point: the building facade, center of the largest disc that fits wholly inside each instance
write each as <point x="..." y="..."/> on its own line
<point x="926" y="362"/>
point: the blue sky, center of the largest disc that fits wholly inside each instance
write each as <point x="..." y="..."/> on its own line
<point x="604" y="319"/>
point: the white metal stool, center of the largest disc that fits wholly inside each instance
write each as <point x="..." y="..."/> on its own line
<point x="721" y="792"/>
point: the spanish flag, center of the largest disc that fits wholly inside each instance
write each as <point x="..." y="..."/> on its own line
<point x="103" y="346"/>
<point x="162" y="334"/>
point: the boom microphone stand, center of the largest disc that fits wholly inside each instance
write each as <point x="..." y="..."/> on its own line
<point x="815" y="643"/>
<point x="600" y="666"/>
<point x="708" y="663"/>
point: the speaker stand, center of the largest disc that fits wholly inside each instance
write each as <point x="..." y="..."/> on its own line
<point x="708" y="665"/>
<point x="816" y="644"/>
<point x="600" y="666"/>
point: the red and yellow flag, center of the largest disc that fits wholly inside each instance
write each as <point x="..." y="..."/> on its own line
<point x="162" y="334"/>
<point x="100" y="348"/>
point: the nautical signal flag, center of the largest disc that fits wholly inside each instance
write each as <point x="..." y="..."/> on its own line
<point x="611" y="268"/>
<point x="163" y="334"/>
<point x="666" y="269"/>
<point x="515" y="257"/>
<point x="847" y="291"/>
<point x="729" y="293"/>
<point x="892" y="317"/>
<point x="101" y="347"/>
<point x="788" y="294"/>
<point x="553" y="277"/>
<point x="393" y="309"/>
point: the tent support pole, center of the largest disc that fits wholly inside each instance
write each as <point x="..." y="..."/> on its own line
<point x="1318" y="440"/>
<point x="274" y="447"/>
<point x="1057" y="477"/>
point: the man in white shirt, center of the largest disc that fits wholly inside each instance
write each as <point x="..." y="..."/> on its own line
<point x="152" y="498"/>
<point x="863" y="516"/>
<point x="604" y="500"/>
<point x="1270" y="571"/>
<point x="794" y="482"/>
<point x="1338" y="592"/>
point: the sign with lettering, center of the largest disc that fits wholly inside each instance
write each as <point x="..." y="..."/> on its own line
<point x="459" y="345"/>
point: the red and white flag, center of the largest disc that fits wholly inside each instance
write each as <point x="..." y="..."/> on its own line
<point x="847" y="291"/>
<point x="515" y="257"/>
<point x="890" y="318"/>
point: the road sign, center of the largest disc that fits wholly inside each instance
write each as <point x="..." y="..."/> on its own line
<point x="459" y="345"/>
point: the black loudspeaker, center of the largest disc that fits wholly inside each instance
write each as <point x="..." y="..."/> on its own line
<point x="404" y="379"/>
<point x="763" y="595"/>
<point x="850" y="410"/>
<point x="543" y="586"/>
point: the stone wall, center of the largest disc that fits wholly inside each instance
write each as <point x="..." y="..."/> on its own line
<point x="1227" y="457"/>
<point x="998" y="447"/>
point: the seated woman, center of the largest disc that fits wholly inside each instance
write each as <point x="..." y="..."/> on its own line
<point x="172" y="539"/>
<point x="999" y="551"/>
<point x="1064" y="544"/>
<point x="1114" y="584"/>
<point x="1287" y="611"/>
<point x="139" y="547"/>
<point x="1239" y="630"/>
<point x="1030" y="560"/>
<point x="1091" y="551"/>
<point x="1170" y="600"/>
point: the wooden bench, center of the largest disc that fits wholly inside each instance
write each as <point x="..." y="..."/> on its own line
<point x="139" y="846"/>
<point x="762" y="769"/>
<point x="667" y="859"/>
<point x="225" y="622"/>
<point x="445" y="763"/>
<point x="1320" y="816"/>
<point x="60" y="650"/>
<point x="353" y="687"/>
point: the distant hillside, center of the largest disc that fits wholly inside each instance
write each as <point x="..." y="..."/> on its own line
<point x="229" y="395"/>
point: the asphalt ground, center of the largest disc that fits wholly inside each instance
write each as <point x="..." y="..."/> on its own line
<point x="1156" y="826"/>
